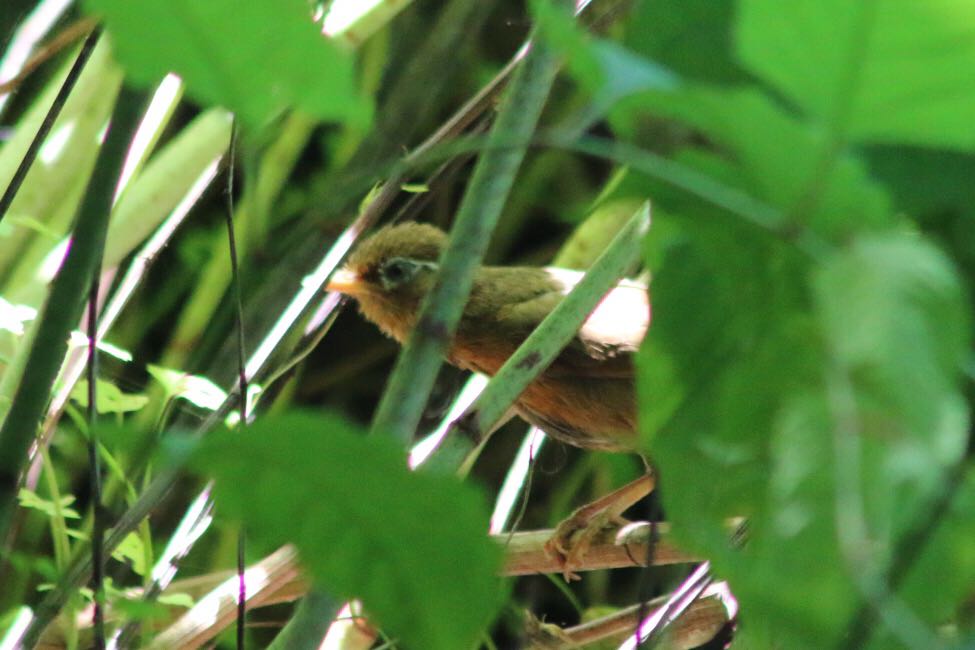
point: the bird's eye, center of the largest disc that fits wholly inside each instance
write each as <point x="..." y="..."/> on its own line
<point x="398" y="271"/>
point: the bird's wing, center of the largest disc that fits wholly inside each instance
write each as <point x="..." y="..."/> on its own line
<point x="610" y="335"/>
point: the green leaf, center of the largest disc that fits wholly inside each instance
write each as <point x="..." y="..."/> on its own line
<point x="881" y="71"/>
<point x="943" y="574"/>
<point x="177" y="599"/>
<point x="894" y="315"/>
<point x="195" y="389"/>
<point x="925" y="182"/>
<point x="52" y="191"/>
<point x="728" y="341"/>
<point x="110" y="398"/>
<point x="756" y="365"/>
<point x="691" y="37"/>
<point x="779" y="159"/>
<point x="164" y="182"/>
<point x="607" y="71"/>
<point x="29" y="499"/>
<point x="254" y="58"/>
<point x="132" y="550"/>
<point x="364" y="524"/>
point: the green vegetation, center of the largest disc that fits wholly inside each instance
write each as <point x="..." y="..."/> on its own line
<point x="808" y="368"/>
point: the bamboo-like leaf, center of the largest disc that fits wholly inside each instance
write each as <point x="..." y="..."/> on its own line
<point x="50" y="193"/>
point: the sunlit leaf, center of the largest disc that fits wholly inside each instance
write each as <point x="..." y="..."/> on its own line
<point x="883" y="71"/>
<point x="110" y="398"/>
<point x="30" y="499"/>
<point x="193" y="388"/>
<point x="132" y="550"/>
<point x="253" y="58"/>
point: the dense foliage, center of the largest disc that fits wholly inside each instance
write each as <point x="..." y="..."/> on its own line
<point x="808" y="366"/>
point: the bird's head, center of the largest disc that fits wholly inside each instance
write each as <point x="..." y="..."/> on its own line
<point x="390" y="273"/>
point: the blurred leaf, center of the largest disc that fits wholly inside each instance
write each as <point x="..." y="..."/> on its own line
<point x="176" y="600"/>
<point x="195" y="389"/>
<point x="692" y="37"/>
<point x="365" y="525"/>
<point x="739" y="411"/>
<point x="939" y="584"/>
<point x="780" y="160"/>
<point x="884" y="71"/>
<point x="52" y="190"/>
<point x="893" y="312"/>
<point x="138" y="609"/>
<point x="132" y="551"/>
<point x="254" y="58"/>
<point x="925" y="181"/>
<point x="28" y="499"/>
<point x="110" y="398"/>
<point x="605" y="69"/>
<point x="728" y="342"/>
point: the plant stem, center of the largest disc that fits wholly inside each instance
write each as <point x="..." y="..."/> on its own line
<point x="412" y="380"/>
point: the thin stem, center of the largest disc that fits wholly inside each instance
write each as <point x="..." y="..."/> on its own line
<point x="241" y="372"/>
<point x="95" y="470"/>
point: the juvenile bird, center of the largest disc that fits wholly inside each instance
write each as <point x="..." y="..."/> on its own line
<point x="586" y="397"/>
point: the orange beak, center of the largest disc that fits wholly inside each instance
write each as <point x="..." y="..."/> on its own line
<point x="345" y="281"/>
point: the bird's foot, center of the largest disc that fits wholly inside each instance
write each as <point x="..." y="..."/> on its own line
<point x="573" y="537"/>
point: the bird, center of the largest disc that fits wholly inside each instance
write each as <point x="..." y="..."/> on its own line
<point x="585" y="398"/>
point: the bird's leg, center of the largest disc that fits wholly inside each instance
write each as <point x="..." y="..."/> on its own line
<point x="574" y="535"/>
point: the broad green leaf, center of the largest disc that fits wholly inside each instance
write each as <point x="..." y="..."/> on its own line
<point x="253" y="58"/>
<point x="412" y="546"/>
<point x="691" y="37"/>
<point x="944" y="570"/>
<point x="895" y="71"/>
<point x="728" y="342"/>
<point x="925" y="182"/>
